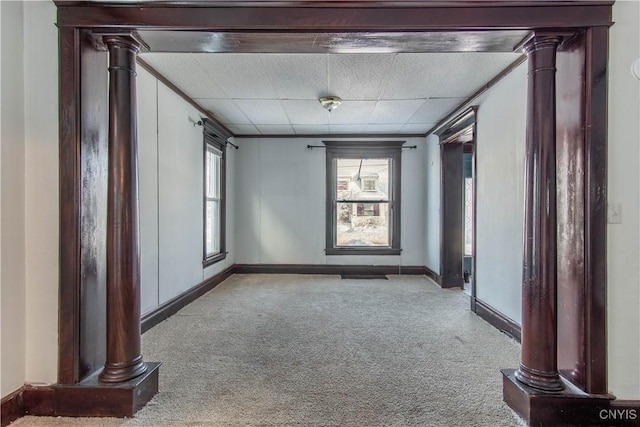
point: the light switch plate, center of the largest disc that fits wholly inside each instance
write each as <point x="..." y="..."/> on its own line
<point x="614" y="215"/>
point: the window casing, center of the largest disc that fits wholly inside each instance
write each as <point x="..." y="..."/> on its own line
<point x="363" y="197"/>
<point x="214" y="198"/>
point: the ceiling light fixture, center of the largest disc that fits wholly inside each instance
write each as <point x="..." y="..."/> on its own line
<point x="330" y="102"/>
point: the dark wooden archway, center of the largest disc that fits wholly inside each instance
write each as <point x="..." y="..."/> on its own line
<point x="579" y="30"/>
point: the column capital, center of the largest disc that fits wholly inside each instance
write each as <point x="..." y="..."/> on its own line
<point x="542" y="40"/>
<point x="127" y="40"/>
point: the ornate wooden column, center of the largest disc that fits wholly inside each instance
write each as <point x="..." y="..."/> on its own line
<point x="538" y="365"/>
<point x="124" y="360"/>
<point x="536" y="389"/>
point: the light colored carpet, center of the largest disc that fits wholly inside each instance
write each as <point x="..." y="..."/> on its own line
<point x="264" y="350"/>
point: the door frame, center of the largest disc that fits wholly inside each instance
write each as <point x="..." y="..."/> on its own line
<point x="366" y="23"/>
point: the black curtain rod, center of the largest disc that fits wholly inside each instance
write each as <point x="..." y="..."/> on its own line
<point x="410" y="147"/>
<point x="200" y="123"/>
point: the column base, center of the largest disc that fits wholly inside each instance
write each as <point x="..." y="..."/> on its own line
<point x="540" y="380"/>
<point x="92" y="398"/>
<point x="118" y="373"/>
<point x="569" y="407"/>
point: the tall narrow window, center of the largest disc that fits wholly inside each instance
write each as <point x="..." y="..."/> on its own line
<point x="363" y="197"/>
<point x="214" y="199"/>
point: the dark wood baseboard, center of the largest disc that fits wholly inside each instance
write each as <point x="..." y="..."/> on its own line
<point x="496" y="319"/>
<point x="12" y="407"/>
<point x="432" y="275"/>
<point x="327" y="269"/>
<point x="174" y="305"/>
<point x="571" y="407"/>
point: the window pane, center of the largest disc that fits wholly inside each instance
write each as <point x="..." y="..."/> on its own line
<point x="362" y="179"/>
<point x="214" y="158"/>
<point x="362" y="224"/>
<point x="212" y="231"/>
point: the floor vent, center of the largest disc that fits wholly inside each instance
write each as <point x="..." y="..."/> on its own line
<point x="364" y="276"/>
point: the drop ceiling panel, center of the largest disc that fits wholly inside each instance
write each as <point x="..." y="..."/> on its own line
<point x="311" y="129"/>
<point x="386" y="128"/>
<point x="243" y="129"/>
<point x="435" y="109"/>
<point x="306" y="112"/>
<point x="278" y="93"/>
<point x="416" y="75"/>
<point x="275" y="129"/>
<point x="397" y="111"/>
<point x="358" y="77"/>
<point x="471" y="71"/>
<point x="241" y="75"/>
<point x="338" y="129"/>
<point x="352" y="112"/>
<point x="416" y="127"/>
<point x="183" y="70"/>
<point x="297" y="76"/>
<point x="263" y="111"/>
<point x="224" y="110"/>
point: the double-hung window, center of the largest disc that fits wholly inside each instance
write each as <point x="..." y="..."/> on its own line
<point x="214" y="198"/>
<point x="363" y="197"/>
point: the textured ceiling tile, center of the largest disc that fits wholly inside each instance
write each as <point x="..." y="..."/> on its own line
<point x="416" y="127"/>
<point x="412" y="76"/>
<point x="245" y="88"/>
<point x="263" y="111"/>
<point x="311" y="129"/>
<point x="418" y="75"/>
<point x="182" y="70"/>
<point x="357" y="76"/>
<point x="297" y="76"/>
<point x="241" y="75"/>
<point x="388" y="128"/>
<point x="275" y="129"/>
<point x="225" y="110"/>
<point x="352" y="112"/>
<point x="347" y="128"/>
<point x="470" y="71"/>
<point x="435" y="109"/>
<point x="243" y="129"/>
<point x="306" y="112"/>
<point x="397" y="111"/>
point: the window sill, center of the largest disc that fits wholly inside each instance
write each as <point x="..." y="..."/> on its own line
<point x="213" y="259"/>
<point x="362" y="251"/>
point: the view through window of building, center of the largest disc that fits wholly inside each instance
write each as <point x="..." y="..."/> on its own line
<point x="213" y="199"/>
<point x="363" y="197"/>
<point x="363" y="206"/>
<point x="214" y="196"/>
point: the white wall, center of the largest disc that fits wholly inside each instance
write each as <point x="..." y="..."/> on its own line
<point x="12" y="212"/>
<point x="171" y="195"/>
<point x="500" y="194"/>
<point x="623" y="249"/>
<point x="432" y="204"/>
<point x="280" y="204"/>
<point x="147" y="90"/>
<point x="180" y="194"/>
<point x="41" y="190"/>
<point x="29" y="208"/>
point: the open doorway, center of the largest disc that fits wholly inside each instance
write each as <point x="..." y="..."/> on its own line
<point x="458" y="202"/>
<point x="468" y="192"/>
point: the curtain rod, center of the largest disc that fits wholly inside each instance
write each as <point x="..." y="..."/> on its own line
<point x="311" y="147"/>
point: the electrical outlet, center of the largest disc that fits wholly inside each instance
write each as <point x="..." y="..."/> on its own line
<point x="614" y="213"/>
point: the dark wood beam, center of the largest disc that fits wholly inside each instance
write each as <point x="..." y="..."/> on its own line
<point x="334" y="16"/>
<point x="336" y="42"/>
